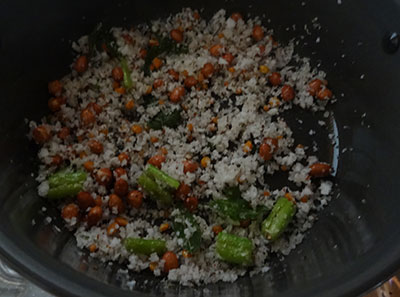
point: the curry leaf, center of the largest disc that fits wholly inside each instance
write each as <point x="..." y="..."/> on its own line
<point x="165" y="46"/>
<point x="102" y="38"/>
<point x="235" y="207"/>
<point x="186" y="221"/>
<point x="161" y="119"/>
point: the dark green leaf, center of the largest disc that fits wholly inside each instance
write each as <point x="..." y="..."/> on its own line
<point x="94" y="87"/>
<point x="148" y="99"/>
<point x="166" y="46"/>
<point x="236" y="208"/>
<point x="232" y="193"/>
<point x="156" y="123"/>
<point x="228" y="208"/>
<point x="103" y="36"/>
<point x="171" y="120"/>
<point x="211" y="146"/>
<point x="261" y="210"/>
<point x="181" y="223"/>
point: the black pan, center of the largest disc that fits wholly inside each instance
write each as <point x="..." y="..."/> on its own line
<point x="356" y="242"/>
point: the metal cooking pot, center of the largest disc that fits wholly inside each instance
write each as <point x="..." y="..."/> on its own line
<point x="355" y="243"/>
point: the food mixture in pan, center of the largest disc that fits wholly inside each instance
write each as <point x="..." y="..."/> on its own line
<point x="162" y="140"/>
